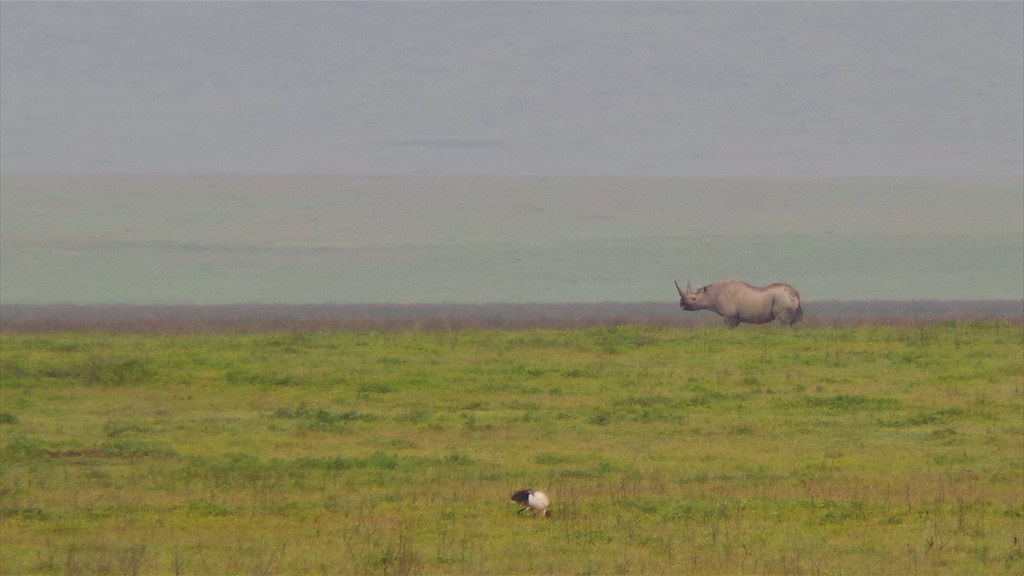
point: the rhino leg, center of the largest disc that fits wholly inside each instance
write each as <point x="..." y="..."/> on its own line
<point x="731" y="321"/>
<point x="790" y="317"/>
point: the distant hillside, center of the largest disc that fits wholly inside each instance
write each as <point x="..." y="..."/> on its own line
<point x="273" y="317"/>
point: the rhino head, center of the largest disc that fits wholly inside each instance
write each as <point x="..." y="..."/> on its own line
<point x="691" y="300"/>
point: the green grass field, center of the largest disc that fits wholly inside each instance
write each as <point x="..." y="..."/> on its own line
<point x="827" y="450"/>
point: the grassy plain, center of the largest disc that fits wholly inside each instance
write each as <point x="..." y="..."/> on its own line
<point x="828" y="450"/>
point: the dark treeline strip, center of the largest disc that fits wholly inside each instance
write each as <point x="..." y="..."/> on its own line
<point x="20" y="318"/>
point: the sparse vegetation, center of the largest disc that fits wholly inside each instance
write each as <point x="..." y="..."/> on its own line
<point x="859" y="449"/>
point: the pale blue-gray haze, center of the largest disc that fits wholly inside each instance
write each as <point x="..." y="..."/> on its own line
<point x="194" y="152"/>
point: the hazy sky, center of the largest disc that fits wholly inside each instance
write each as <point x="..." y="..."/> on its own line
<point x="687" y="89"/>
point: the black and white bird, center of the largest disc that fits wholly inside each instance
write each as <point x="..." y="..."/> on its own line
<point x="537" y="502"/>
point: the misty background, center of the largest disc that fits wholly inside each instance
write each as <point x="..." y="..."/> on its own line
<point x="205" y="153"/>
